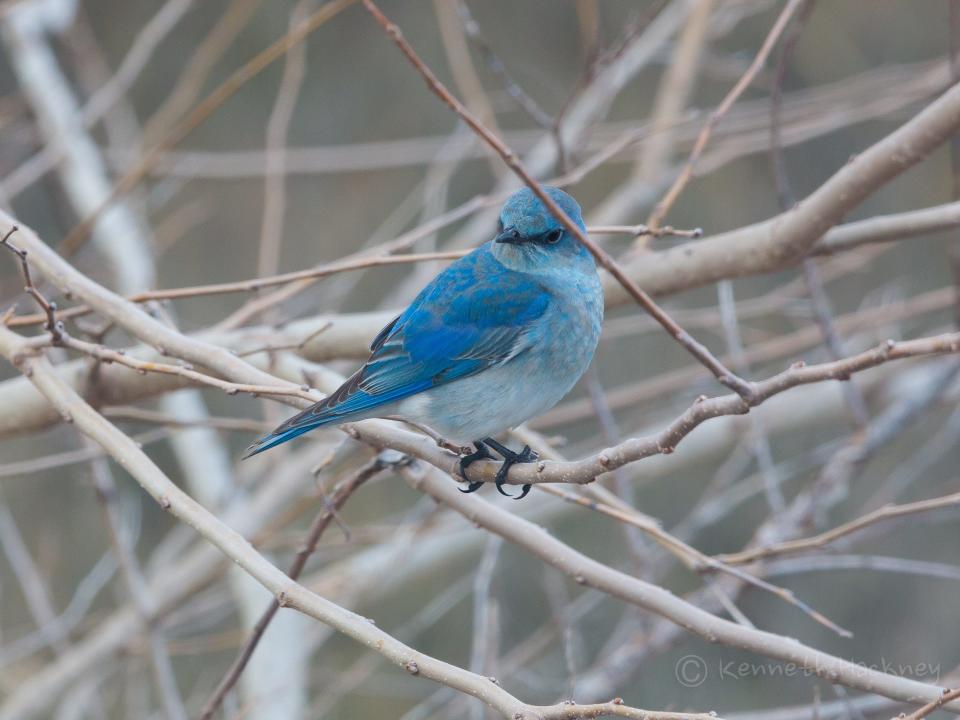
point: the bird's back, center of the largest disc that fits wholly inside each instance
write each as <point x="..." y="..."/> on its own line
<point x="474" y="315"/>
<point x="557" y="346"/>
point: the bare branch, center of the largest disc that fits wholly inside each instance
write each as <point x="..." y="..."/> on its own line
<point x="665" y="442"/>
<point x="106" y="355"/>
<point x="932" y="706"/>
<point x="340" y="496"/>
<point x="51" y="324"/>
<point x="887" y="512"/>
<point x="78" y="235"/>
<point x="785" y="239"/>
<point x="663" y="207"/>
<point x="591" y="573"/>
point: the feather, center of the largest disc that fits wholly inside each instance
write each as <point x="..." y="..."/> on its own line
<point x="475" y="314"/>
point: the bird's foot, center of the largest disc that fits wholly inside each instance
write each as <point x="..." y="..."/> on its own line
<point x="511" y="458"/>
<point x="481" y="453"/>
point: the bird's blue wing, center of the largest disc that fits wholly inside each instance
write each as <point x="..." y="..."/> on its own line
<point x="473" y="315"/>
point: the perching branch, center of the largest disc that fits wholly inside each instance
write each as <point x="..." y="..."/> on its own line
<point x="665" y="442"/>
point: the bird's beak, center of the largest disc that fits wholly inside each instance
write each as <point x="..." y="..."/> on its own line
<point x="509" y="236"/>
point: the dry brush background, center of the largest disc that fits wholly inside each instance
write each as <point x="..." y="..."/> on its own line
<point x="226" y="199"/>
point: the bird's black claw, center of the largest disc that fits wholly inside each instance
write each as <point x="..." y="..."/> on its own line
<point x="481" y="453"/>
<point x="524" y="456"/>
<point x="501" y="477"/>
<point x="510" y="458"/>
<point x="527" y="455"/>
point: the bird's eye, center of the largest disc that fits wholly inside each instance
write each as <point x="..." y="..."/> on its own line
<point x="553" y="236"/>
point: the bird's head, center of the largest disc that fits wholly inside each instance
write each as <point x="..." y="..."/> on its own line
<point x="530" y="238"/>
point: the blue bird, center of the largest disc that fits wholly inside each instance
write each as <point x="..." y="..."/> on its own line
<point x="498" y="337"/>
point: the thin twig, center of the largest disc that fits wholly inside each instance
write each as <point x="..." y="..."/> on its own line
<point x="108" y="355"/>
<point x="761" y="441"/>
<point x="255" y="284"/>
<point x="610" y="432"/>
<point x="663" y="207"/>
<point x="278" y="125"/>
<point x="200" y="113"/>
<point x="132" y="574"/>
<point x="692" y="558"/>
<point x="341" y="494"/>
<point x="196" y="71"/>
<point x="464" y="73"/>
<point x="887" y="512"/>
<point x="645" y="230"/>
<point x="51" y="324"/>
<point x="818" y="296"/>
<point x="519" y="95"/>
<point x="289" y="346"/>
<point x="655" y="153"/>
<point x="932" y="706"/>
<point x="52" y="461"/>
<point x="484" y="646"/>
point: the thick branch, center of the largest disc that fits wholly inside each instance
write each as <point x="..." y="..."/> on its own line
<point x="785" y="239"/>
<point x="594" y="574"/>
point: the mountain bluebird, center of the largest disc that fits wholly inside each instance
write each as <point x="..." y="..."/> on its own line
<point x="498" y="337"/>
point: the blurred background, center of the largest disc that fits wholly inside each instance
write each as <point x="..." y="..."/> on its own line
<point x="339" y="147"/>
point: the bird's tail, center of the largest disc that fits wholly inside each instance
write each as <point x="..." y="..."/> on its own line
<point x="346" y="404"/>
<point x="277" y="437"/>
<point x="336" y="408"/>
